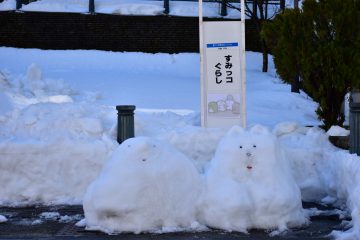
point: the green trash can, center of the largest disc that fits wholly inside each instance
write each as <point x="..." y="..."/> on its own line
<point x="354" y="122"/>
<point x="126" y="128"/>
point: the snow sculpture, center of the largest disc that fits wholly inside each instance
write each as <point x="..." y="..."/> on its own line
<point x="249" y="185"/>
<point x="146" y="186"/>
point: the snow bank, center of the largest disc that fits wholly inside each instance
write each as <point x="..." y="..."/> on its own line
<point x="249" y="184"/>
<point x="132" y="7"/>
<point x="51" y="147"/>
<point x="146" y="186"/>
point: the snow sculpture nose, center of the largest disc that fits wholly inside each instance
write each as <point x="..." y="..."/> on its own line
<point x="248" y="154"/>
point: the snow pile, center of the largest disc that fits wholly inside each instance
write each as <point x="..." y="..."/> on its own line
<point x="7" y="5"/>
<point x="323" y="172"/>
<point x="146" y="186"/>
<point x="51" y="147"/>
<point x="249" y="184"/>
<point x="132" y="7"/>
<point x="199" y="144"/>
<point x="338" y="131"/>
<point x="304" y="149"/>
<point x="3" y="219"/>
<point x="344" y="184"/>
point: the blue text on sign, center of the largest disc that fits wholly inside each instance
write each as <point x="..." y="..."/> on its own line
<point x="219" y="45"/>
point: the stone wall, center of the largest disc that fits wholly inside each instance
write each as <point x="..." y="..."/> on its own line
<point x="150" y="34"/>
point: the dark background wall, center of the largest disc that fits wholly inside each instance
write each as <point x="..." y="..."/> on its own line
<point x="106" y="32"/>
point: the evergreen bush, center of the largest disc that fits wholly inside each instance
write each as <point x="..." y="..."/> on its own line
<point x="321" y="44"/>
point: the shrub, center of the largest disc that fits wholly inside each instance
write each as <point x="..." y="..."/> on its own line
<point x="321" y="44"/>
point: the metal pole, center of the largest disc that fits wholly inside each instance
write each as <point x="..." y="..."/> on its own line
<point x="126" y="127"/>
<point x="166" y="6"/>
<point x="202" y="72"/>
<point x="223" y="8"/>
<point x="18" y="4"/>
<point x="91" y="6"/>
<point x="243" y="65"/>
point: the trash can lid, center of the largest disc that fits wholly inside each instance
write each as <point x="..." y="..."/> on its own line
<point x="125" y="107"/>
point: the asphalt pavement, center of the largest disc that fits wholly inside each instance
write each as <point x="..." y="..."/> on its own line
<point x="58" y="222"/>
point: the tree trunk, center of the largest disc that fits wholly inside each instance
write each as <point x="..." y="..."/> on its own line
<point x="254" y="10"/>
<point x="296" y="4"/>
<point x="282" y="5"/>
<point x="295" y="85"/>
<point x="265" y="56"/>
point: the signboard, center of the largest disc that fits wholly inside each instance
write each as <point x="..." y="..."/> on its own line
<point x="222" y="50"/>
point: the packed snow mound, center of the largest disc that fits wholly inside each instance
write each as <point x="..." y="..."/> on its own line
<point x="146" y="186"/>
<point x="249" y="184"/>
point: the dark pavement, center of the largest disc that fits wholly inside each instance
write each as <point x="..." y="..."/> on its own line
<point x="30" y="223"/>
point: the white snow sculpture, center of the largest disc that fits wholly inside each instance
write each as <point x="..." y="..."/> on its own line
<point x="249" y="185"/>
<point x="146" y="186"/>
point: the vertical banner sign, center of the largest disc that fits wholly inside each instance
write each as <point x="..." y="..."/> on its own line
<point x="222" y="50"/>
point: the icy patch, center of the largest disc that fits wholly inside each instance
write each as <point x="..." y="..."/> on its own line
<point x="249" y="185"/>
<point x="81" y="223"/>
<point x="3" y="219"/>
<point x="146" y="186"/>
<point x="37" y="222"/>
<point x="72" y="218"/>
<point x="53" y="216"/>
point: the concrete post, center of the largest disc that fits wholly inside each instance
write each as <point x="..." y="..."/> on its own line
<point x="18" y="4"/>
<point x="166" y="6"/>
<point x="91" y="6"/>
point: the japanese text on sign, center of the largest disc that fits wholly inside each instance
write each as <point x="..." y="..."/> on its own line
<point x="228" y="71"/>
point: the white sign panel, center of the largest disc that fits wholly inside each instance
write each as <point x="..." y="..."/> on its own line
<point x="223" y="77"/>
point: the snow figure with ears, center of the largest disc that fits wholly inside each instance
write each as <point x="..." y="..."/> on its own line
<point x="146" y="186"/>
<point x="249" y="185"/>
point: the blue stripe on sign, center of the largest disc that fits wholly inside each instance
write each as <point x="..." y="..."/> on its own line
<point x="218" y="45"/>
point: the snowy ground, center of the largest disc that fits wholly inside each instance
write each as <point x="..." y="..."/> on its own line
<point x="127" y="7"/>
<point x="58" y="123"/>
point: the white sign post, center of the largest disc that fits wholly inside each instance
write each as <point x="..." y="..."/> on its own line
<point x="222" y="51"/>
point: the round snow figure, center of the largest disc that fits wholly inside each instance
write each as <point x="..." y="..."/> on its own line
<point x="146" y="186"/>
<point x="249" y="185"/>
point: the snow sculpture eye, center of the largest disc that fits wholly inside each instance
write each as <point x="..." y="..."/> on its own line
<point x="254" y="146"/>
<point x="240" y="146"/>
<point x="144" y="159"/>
